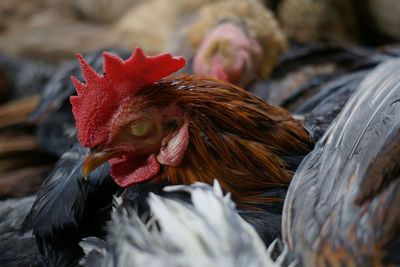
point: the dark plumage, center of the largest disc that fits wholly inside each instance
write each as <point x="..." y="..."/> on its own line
<point x="15" y="250"/>
<point x="304" y="71"/>
<point x="21" y="78"/>
<point x="342" y="204"/>
<point x="315" y="82"/>
<point x="68" y="209"/>
<point x="323" y="107"/>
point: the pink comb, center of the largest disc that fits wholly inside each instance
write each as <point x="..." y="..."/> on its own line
<point x="101" y="95"/>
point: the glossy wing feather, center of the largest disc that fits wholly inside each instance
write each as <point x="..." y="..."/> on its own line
<point x="67" y="208"/>
<point x="340" y="205"/>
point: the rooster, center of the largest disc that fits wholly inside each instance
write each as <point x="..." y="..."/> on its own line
<point x="183" y="129"/>
<point x="157" y="130"/>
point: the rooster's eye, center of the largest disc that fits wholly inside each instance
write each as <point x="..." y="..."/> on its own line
<point x="173" y="124"/>
<point x="140" y="129"/>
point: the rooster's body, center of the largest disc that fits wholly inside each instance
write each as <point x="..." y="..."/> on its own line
<point x="247" y="162"/>
<point x="161" y="131"/>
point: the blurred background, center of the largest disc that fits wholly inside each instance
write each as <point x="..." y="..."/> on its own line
<point x="293" y="48"/>
<point x="52" y="31"/>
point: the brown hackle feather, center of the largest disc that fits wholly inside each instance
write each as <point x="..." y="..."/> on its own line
<point x="235" y="137"/>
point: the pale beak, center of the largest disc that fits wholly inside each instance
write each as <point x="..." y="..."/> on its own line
<point x="95" y="159"/>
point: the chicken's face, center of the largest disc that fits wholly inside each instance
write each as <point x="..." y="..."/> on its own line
<point x="141" y="140"/>
<point x="122" y="127"/>
<point x="229" y="54"/>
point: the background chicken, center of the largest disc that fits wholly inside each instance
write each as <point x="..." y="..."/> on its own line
<point x="236" y="41"/>
<point x="174" y="130"/>
<point x="316" y="82"/>
<point x="233" y="40"/>
<point x="341" y="207"/>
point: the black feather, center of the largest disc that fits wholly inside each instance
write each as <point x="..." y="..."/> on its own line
<point x="21" y="77"/>
<point x="69" y="208"/>
<point x="16" y="250"/>
<point x="322" y="108"/>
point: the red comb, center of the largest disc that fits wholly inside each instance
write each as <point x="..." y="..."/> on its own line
<point x="101" y="95"/>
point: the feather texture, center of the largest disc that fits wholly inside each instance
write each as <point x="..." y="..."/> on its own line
<point x="253" y="146"/>
<point x="66" y="206"/>
<point x="207" y="232"/>
<point x="340" y="206"/>
<point x="16" y="250"/>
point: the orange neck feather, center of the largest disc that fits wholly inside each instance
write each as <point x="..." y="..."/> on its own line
<point x="234" y="137"/>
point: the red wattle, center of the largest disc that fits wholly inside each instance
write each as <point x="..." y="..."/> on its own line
<point x="127" y="171"/>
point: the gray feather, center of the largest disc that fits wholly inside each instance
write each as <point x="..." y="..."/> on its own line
<point x="323" y="213"/>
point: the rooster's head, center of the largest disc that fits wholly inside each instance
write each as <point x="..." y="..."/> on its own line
<point x="119" y="124"/>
